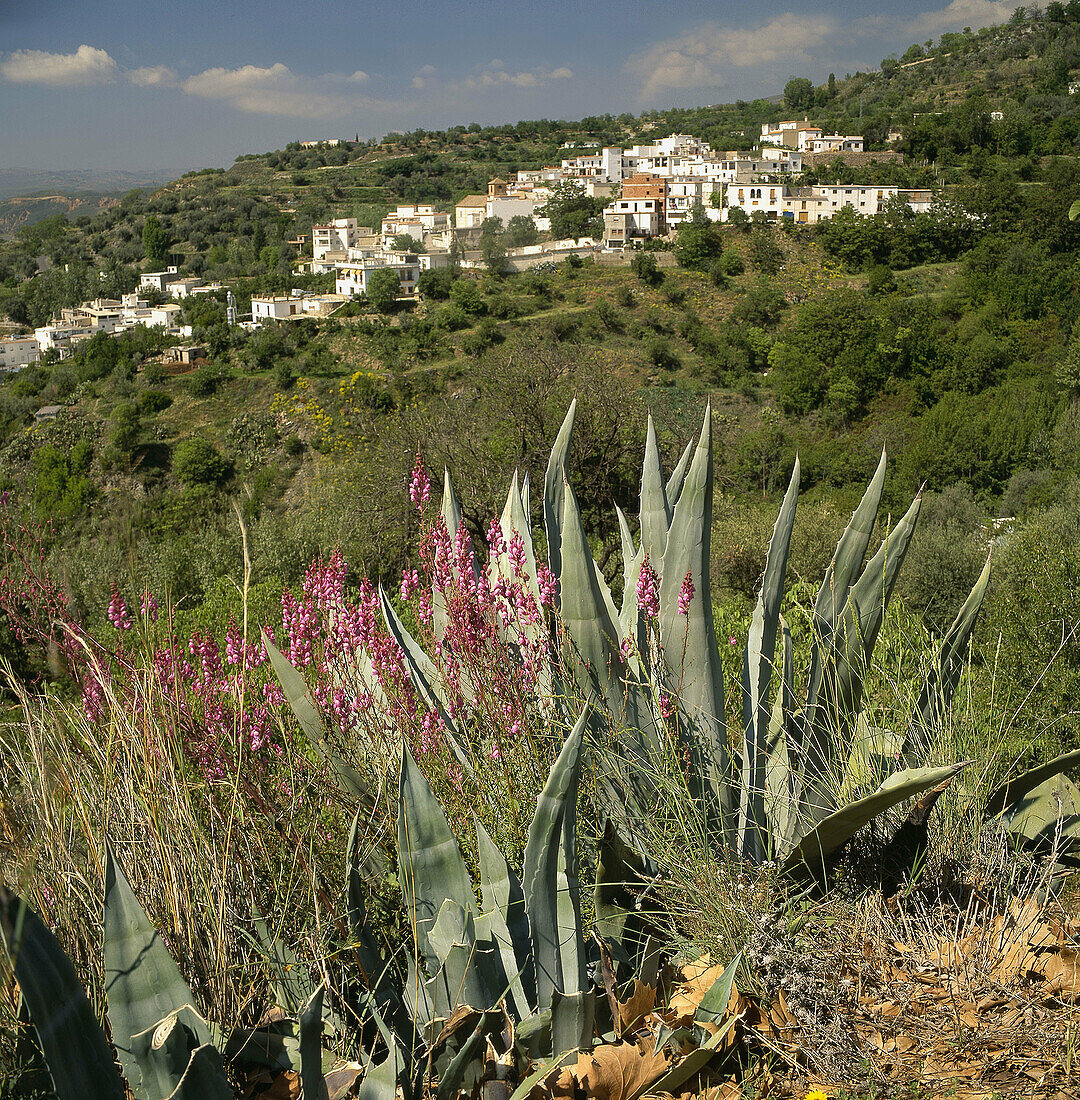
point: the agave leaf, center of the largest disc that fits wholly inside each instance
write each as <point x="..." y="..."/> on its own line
<point x="550" y="881"/>
<point x="303" y="706"/>
<point x="425" y="679"/>
<point x="712" y="1010"/>
<point x="781" y="775"/>
<point x="525" y="498"/>
<point x="678" y="475"/>
<point x="714" y="1003"/>
<point x="506" y="923"/>
<point x="1007" y="797"/>
<point x="817" y="847"/>
<point x="840" y="576"/>
<point x="694" y="672"/>
<point x="572" y="1016"/>
<point x="936" y="695"/>
<point x="381" y="1081"/>
<point x="68" y="1032"/>
<point x="469" y="1056"/>
<point x="166" y="1052"/>
<point x="313" y="1087"/>
<point x="374" y="967"/>
<point x="590" y="636"/>
<point x="463" y="959"/>
<point x="274" y="1047"/>
<point x="554" y="487"/>
<point x="1047" y="818"/>
<point x="143" y="984"/>
<point x="829" y="717"/>
<point x="204" y="1078"/>
<point x="758" y="663"/>
<point x="290" y="982"/>
<point x="430" y="866"/>
<point x="655" y="510"/>
<point x="451" y="515"/>
<point x="632" y="623"/>
<point x="516" y="519"/>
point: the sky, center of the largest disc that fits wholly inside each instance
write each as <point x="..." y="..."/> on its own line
<point x="137" y="84"/>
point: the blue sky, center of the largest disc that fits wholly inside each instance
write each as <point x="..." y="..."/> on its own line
<point x="137" y="84"/>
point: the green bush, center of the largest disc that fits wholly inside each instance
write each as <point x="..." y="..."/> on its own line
<point x="198" y="462"/>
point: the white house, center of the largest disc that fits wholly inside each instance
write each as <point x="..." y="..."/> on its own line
<point x="470" y="212"/>
<point x="276" y="307"/>
<point x="60" y="337"/>
<point x="17" y="352"/>
<point x="159" y="280"/>
<point x="338" y="235"/>
<point x="353" y="275"/>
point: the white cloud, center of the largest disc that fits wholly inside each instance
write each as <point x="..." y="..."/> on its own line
<point x="269" y="91"/>
<point x="704" y="56"/>
<point x="87" y="65"/>
<point x="154" y="76"/>
<point x="359" y="77"/>
<point x="958" y="14"/>
<point x="495" y="75"/>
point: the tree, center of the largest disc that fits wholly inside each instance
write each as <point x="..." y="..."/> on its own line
<point x="492" y="248"/>
<point x="799" y="93"/>
<point x="699" y="242"/>
<point x="572" y="212"/>
<point x="645" y="267"/>
<point x="155" y="241"/>
<point x="383" y="288"/>
<point x="521" y="231"/>
<point x="197" y="462"/>
<point x="403" y="242"/>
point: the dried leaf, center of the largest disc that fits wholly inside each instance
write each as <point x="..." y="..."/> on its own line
<point x="286" y="1086"/>
<point x="620" y="1071"/>
<point x="640" y="1003"/>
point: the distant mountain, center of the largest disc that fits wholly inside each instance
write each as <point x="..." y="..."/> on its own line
<point x="27" y="182"/>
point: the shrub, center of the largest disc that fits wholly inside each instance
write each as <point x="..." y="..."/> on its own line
<point x="198" y="462"/>
<point x="661" y="355"/>
<point x="151" y="402"/>
<point x="646" y="269"/>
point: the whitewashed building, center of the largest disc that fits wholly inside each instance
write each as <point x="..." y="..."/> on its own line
<point x="17" y="352"/>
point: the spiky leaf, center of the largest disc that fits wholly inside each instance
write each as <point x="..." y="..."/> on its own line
<point x="692" y="660"/>
<point x="554" y="487"/>
<point x="143" y="984"/>
<point x="307" y="714"/>
<point x="313" y="1087"/>
<point x="68" y="1032"/>
<point x="758" y="661"/>
<point x="936" y="695"/>
<point x="430" y="866"/>
<point x="549" y="880"/>
<point x="828" y="836"/>
<point x="1009" y="795"/>
<point x="655" y="511"/>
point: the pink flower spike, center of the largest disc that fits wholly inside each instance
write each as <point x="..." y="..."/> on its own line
<point x="648" y="590"/>
<point x="686" y="593"/>
<point x="420" y="485"/>
<point x="118" y="612"/>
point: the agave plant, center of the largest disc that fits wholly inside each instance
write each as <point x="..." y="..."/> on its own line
<point x="166" y="1049"/>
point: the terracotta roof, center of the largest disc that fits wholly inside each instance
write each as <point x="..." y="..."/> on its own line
<point x="473" y="200"/>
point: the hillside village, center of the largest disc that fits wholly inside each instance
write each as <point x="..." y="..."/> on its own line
<point x="652" y="189"/>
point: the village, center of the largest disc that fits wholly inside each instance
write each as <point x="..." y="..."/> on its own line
<point x="651" y="190"/>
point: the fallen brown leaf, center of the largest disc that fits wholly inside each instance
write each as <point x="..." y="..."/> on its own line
<point x="640" y="1003"/>
<point x="620" y="1071"/>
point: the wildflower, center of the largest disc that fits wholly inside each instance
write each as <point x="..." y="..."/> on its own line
<point x="420" y="485"/>
<point x="545" y="580"/>
<point x="149" y="606"/>
<point x="732" y="641"/>
<point x="667" y="707"/>
<point x="816" y="1094"/>
<point x="648" y="589"/>
<point x="118" y="612"/>
<point x="410" y="582"/>
<point x="686" y="593"/>
<point x="495" y="538"/>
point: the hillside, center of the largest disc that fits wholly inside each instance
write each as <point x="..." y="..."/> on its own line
<point x="925" y="334"/>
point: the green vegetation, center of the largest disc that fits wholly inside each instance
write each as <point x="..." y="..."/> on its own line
<point x="233" y="493"/>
